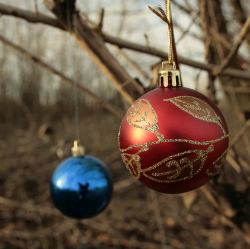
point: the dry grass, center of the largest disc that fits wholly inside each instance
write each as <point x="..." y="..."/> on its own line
<point x="29" y="220"/>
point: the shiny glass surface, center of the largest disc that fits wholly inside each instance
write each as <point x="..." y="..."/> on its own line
<point x="81" y="187"/>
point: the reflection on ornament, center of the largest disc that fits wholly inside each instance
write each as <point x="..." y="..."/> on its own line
<point x="81" y="187"/>
<point x="173" y="139"/>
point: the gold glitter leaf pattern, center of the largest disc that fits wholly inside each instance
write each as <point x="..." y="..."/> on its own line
<point x="217" y="164"/>
<point x="192" y="160"/>
<point x="197" y="108"/>
<point x="141" y="115"/>
<point x="133" y="164"/>
<point x="173" y="167"/>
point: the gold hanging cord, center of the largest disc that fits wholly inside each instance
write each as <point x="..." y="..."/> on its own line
<point x="167" y="17"/>
<point x="170" y="75"/>
<point x="170" y="32"/>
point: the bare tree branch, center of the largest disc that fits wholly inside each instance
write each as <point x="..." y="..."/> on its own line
<point x="234" y="49"/>
<point x="34" y="18"/>
<point x="235" y="89"/>
<point x="185" y="32"/>
<point x="187" y="11"/>
<point x="225" y="43"/>
<point x="133" y="64"/>
<point x="231" y="72"/>
<point x="159" y="220"/>
<point x="99" y="26"/>
<point x="94" y="45"/>
<point x="27" y="206"/>
<point x="160" y="14"/>
<point x="35" y="6"/>
<point x="65" y="78"/>
<point x="208" y="193"/>
<point x="29" y="16"/>
<point x="239" y="134"/>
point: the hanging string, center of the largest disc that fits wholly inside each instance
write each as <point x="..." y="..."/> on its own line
<point x="168" y="19"/>
<point x="170" y="27"/>
<point x="76" y="92"/>
<point x="74" y="24"/>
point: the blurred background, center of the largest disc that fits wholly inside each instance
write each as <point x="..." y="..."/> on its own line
<point x="37" y="126"/>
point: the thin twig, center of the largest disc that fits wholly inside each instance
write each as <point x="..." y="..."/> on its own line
<point x="162" y="12"/>
<point x="29" y="16"/>
<point x="207" y="45"/>
<point x="239" y="134"/>
<point x="159" y="14"/>
<point x="133" y="244"/>
<point x="134" y="65"/>
<point x="159" y="219"/>
<point x="35" y="6"/>
<point x="146" y="40"/>
<point x="187" y="11"/>
<point x="215" y="26"/>
<point x="225" y="43"/>
<point x="101" y="17"/>
<point x="206" y="190"/>
<point x="94" y="45"/>
<point x="236" y="89"/>
<point x="234" y="49"/>
<point x="190" y="7"/>
<point x="211" y="88"/>
<point x="99" y="26"/>
<point x="65" y="78"/>
<point x="212" y="31"/>
<point x="186" y="31"/>
<point x="240" y="119"/>
<point x="34" y="18"/>
<point x="234" y="164"/>
<point x="27" y="206"/>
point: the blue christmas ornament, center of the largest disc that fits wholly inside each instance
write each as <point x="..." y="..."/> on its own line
<point x="81" y="186"/>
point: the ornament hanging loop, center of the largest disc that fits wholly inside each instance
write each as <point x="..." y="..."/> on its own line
<point x="169" y="76"/>
<point x="77" y="149"/>
<point x="170" y="31"/>
<point x="167" y="18"/>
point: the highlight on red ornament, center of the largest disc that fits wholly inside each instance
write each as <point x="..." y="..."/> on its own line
<point x="173" y="139"/>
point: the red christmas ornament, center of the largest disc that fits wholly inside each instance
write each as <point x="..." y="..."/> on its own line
<point x="173" y="139"/>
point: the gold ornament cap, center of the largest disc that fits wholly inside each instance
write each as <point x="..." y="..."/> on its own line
<point x="169" y="76"/>
<point x="77" y="149"/>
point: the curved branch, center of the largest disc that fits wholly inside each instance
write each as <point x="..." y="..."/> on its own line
<point x="234" y="49"/>
<point x="29" y="16"/>
<point x="32" y="17"/>
<point x="61" y="75"/>
<point x="231" y="72"/>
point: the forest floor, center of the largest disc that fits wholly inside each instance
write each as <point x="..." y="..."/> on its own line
<point x="136" y="216"/>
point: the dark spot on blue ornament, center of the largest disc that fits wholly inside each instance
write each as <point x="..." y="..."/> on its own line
<point x="81" y="187"/>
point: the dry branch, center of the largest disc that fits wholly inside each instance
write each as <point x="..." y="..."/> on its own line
<point x="30" y="207"/>
<point x="35" y="6"/>
<point x="135" y="244"/>
<point x="94" y="45"/>
<point x="29" y="16"/>
<point x="208" y="193"/>
<point x="231" y="72"/>
<point x="234" y="49"/>
<point x="225" y="43"/>
<point x="185" y="32"/>
<point x="158" y="218"/>
<point x="234" y="164"/>
<point x="32" y="17"/>
<point x="133" y="64"/>
<point x="239" y="134"/>
<point x="65" y="78"/>
<point x="236" y="89"/>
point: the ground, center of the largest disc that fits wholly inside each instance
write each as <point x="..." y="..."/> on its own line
<point x="136" y="216"/>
